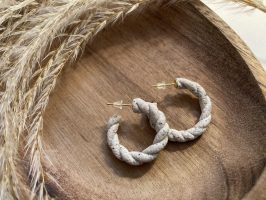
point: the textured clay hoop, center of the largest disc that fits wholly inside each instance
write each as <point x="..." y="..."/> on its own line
<point x="205" y="117"/>
<point x="157" y="121"/>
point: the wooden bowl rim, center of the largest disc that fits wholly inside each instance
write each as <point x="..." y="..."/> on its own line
<point x="252" y="62"/>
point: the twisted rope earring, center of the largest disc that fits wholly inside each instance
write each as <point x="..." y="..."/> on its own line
<point x="157" y="121"/>
<point x="205" y="105"/>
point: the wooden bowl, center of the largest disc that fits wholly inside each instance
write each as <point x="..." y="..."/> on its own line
<point x="189" y="41"/>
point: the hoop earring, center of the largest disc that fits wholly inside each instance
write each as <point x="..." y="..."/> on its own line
<point x="157" y="121"/>
<point x="205" y="105"/>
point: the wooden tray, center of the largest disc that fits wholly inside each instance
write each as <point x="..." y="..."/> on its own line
<point x="123" y="63"/>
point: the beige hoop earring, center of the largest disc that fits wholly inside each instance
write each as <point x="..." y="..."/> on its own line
<point x="157" y="122"/>
<point x="205" y="105"/>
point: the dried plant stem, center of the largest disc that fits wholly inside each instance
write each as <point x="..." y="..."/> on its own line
<point x="16" y="80"/>
<point x="98" y="22"/>
<point x="9" y="178"/>
<point x="13" y="11"/>
<point x="253" y="3"/>
<point x="67" y="51"/>
<point x="14" y="28"/>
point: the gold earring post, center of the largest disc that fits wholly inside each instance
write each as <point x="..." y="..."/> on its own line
<point x="119" y="104"/>
<point x="163" y="85"/>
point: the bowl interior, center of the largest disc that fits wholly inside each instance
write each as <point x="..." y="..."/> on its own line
<point x="122" y="63"/>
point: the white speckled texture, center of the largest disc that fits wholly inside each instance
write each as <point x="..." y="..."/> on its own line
<point x="158" y="122"/>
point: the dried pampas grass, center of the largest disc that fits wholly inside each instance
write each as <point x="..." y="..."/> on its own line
<point x="37" y="39"/>
<point x="260" y="4"/>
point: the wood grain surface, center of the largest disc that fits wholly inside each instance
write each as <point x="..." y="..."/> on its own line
<point x="122" y="63"/>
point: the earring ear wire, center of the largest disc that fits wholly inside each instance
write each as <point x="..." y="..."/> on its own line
<point x="119" y="104"/>
<point x="163" y="85"/>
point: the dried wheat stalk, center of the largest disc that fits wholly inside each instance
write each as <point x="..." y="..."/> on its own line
<point x="29" y="69"/>
<point x="100" y="18"/>
<point x="260" y="4"/>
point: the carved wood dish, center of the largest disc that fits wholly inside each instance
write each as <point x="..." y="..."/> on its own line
<point x="187" y="40"/>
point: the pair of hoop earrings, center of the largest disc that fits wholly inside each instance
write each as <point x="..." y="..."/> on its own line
<point x="158" y="122"/>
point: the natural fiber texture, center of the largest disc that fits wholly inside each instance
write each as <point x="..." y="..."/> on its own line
<point x="205" y="117"/>
<point x="37" y="39"/>
<point x="157" y="122"/>
<point x="260" y="4"/>
<point x="31" y="76"/>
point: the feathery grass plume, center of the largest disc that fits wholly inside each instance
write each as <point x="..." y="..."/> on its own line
<point x="9" y="182"/>
<point x="12" y="20"/>
<point x="13" y="11"/>
<point x="22" y="77"/>
<point x="44" y="26"/>
<point x="67" y="51"/>
<point x="16" y="80"/>
<point x="9" y="131"/>
<point x="12" y="15"/>
<point x="259" y="4"/>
